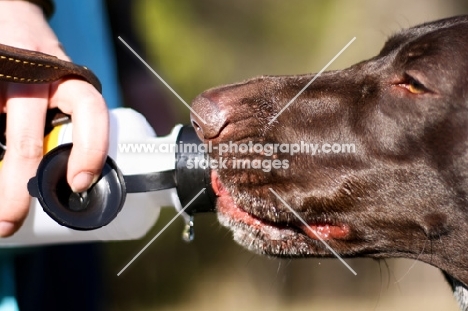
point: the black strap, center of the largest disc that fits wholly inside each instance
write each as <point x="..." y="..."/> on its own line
<point x="150" y="181"/>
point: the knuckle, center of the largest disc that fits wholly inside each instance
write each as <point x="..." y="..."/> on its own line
<point x="88" y="98"/>
<point x="27" y="148"/>
<point x="94" y="154"/>
<point x="93" y="151"/>
<point x="93" y="99"/>
<point x="90" y="157"/>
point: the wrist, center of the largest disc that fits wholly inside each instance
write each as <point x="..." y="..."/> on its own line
<point x="24" y="26"/>
<point x="47" y="6"/>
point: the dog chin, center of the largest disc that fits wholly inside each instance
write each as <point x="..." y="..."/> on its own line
<point x="266" y="239"/>
<point x="251" y="232"/>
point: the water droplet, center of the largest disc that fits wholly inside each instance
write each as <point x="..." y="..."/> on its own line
<point x="188" y="234"/>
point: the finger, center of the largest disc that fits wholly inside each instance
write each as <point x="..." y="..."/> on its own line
<point x="90" y="130"/>
<point x="26" y="107"/>
<point x="56" y="49"/>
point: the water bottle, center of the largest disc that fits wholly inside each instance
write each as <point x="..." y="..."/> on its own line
<point x="142" y="173"/>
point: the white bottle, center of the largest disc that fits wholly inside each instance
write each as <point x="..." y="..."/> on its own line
<point x="140" y="211"/>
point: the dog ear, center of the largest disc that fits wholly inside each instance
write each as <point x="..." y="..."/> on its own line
<point x="460" y="291"/>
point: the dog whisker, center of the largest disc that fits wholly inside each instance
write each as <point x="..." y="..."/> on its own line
<point x="415" y="261"/>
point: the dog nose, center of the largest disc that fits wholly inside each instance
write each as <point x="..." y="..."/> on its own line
<point x="207" y="117"/>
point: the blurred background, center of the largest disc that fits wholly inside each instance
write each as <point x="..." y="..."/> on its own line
<point x="195" y="45"/>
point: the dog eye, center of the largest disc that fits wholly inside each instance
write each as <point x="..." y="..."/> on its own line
<point x="414" y="86"/>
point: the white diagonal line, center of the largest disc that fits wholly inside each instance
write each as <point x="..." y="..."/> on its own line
<point x="159" y="233"/>
<point x="161" y="79"/>
<point x="310" y="82"/>
<point x="313" y="231"/>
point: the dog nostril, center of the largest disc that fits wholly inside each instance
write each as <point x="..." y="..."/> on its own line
<point x="208" y="118"/>
<point x="196" y="126"/>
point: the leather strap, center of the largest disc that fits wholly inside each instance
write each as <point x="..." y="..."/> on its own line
<point x="30" y="67"/>
<point x="25" y="66"/>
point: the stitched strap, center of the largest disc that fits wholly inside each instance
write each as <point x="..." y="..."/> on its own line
<point x="24" y="66"/>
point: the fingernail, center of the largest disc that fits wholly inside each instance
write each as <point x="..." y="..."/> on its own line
<point x="82" y="182"/>
<point x="6" y="228"/>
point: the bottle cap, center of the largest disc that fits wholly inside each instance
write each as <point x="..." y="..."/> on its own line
<point x="88" y="210"/>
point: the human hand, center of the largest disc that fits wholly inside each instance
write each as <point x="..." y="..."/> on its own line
<point x="23" y="25"/>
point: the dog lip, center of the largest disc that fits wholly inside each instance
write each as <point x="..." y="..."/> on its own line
<point x="217" y="186"/>
<point x="315" y="230"/>
<point x="325" y="231"/>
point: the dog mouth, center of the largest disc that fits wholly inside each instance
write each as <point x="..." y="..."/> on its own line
<point x="300" y="230"/>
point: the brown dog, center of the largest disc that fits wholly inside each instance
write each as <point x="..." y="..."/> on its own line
<point x="393" y="180"/>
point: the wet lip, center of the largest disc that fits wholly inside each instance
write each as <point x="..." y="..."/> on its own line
<point x="325" y="231"/>
<point x="315" y="231"/>
<point x="218" y="187"/>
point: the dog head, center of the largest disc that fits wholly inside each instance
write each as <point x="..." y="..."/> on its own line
<point x="385" y="173"/>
